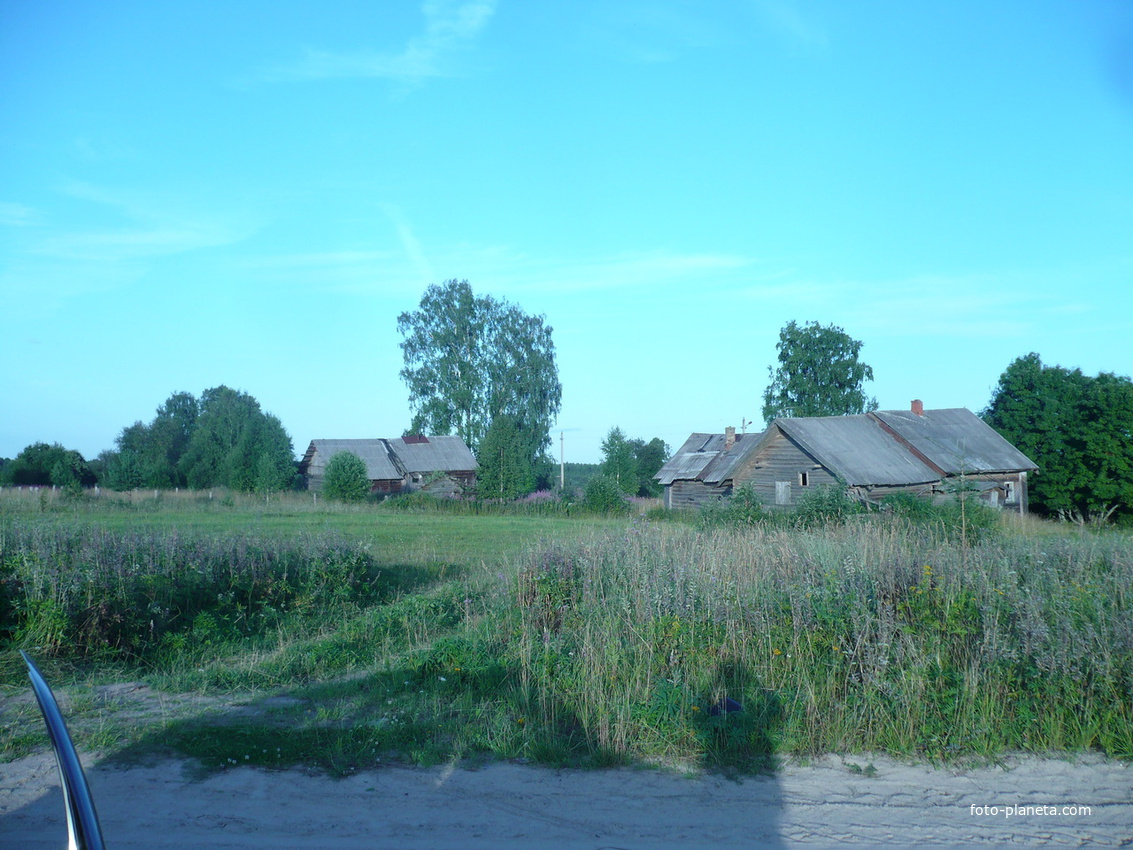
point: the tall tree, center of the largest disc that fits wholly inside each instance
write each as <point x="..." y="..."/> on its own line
<point x="229" y="442"/>
<point x="1077" y="429"/>
<point x="149" y="455"/>
<point x="506" y="470"/>
<point x="650" y="458"/>
<point x="819" y="374"/>
<point x="619" y="463"/>
<point x="469" y="359"/>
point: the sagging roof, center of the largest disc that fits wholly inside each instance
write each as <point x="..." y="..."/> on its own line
<point x="703" y="457"/>
<point x="884" y="448"/>
<point x="391" y="459"/>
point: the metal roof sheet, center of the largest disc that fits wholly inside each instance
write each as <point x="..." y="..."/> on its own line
<point x="374" y="453"/>
<point x="856" y="449"/>
<point x="956" y="440"/>
<point x="390" y="459"/>
<point x="702" y="457"/>
<point x="433" y="454"/>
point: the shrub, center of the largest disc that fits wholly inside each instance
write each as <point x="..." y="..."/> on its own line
<point x="603" y="495"/>
<point x="825" y="505"/>
<point x="743" y="508"/>
<point x="346" y="478"/>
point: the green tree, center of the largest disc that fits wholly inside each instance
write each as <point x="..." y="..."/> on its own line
<point x="345" y="478"/>
<point x="1077" y="429"/>
<point x="819" y="374"/>
<point x="619" y="463"/>
<point x="469" y="359"/>
<point x="505" y="467"/>
<point x="124" y="471"/>
<point x="43" y="464"/>
<point x="156" y="449"/>
<point x="228" y="443"/>
<point x="650" y="457"/>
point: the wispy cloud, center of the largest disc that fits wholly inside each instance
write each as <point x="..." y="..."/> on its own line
<point x="787" y="19"/>
<point x="147" y="227"/>
<point x="122" y="238"/>
<point x="18" y="215"/>
<point x="652" y="33"/>
<point x="450" y="26"/>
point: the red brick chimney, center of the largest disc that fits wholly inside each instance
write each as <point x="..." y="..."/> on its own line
<point x="918" y="407"/>
<point x="729" y="437"/>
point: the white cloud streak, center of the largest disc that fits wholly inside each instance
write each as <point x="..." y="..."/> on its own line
<point x="18" y="215"/>
<point x="449" y="27"/>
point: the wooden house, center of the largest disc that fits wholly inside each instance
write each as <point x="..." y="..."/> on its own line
<point x="440" y="465"/>
<point x="924" y="452"/>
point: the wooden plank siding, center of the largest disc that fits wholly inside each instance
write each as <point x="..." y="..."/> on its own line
<point x="686" y="493"/>
<point x="783" y="460"/>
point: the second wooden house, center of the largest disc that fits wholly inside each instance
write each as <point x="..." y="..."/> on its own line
<point x="924" y="452"/>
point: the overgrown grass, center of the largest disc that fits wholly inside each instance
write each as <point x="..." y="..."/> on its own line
<point x="587" y="643"/>
<point x="849" y="638"/>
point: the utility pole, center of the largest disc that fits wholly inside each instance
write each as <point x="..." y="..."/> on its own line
<point x="562" y="460"/>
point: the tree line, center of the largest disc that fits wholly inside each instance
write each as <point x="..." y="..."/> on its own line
<point x="483" y="368"/>
<point x="222" y="439"/>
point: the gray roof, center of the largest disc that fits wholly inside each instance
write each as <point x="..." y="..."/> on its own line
<point x="703" y="457"/>
<point x="856" y="449"/>
<point x="957" y="441"/>
<point x="433" y="454"/>
<point x="892" y="447"/>
<point x="391" y="459"/>
<point x="374" y="453"/>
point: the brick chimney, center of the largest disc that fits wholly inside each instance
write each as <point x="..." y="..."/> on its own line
<point x="729" y="437"/>
<point x="918" y="407"/>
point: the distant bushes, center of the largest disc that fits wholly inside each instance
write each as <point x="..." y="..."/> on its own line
<point x="603" y="495"/>
<point x="951" y="519"/>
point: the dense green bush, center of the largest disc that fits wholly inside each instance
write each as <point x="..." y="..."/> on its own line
<point x="743" y="508"/>
<point x="604" y="496"/>
<point x="345" y="478"/>
<point x="969" y="520"/>
<point x="824" y="505"/>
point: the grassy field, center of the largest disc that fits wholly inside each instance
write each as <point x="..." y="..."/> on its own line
<point x="282" y="632"/>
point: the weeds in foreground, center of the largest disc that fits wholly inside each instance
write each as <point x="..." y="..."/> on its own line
<point x="658" y="642"/>
<point x="845" y="639"/>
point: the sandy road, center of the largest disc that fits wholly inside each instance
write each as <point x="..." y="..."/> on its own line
<point x="825" y="803"/>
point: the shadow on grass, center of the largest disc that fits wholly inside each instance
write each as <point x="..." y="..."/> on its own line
<point x="739" y="730"/>
<point x="430" y="712"/>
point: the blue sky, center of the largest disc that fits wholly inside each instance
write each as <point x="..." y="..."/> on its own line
<point x="250" y="193"/>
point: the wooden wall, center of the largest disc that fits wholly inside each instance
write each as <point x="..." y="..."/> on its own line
<point x="781" y="461"/>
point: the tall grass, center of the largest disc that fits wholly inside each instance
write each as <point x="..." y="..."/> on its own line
<point x="427" y="635"/>
<point x="83" y="590"/>
<point x="861" y="637"/>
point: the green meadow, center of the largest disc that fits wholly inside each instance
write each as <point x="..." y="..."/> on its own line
<point x="235" y="630"/>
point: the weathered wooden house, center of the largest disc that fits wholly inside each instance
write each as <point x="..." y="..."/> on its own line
<point x="924" y="452"/>
<point x="439" y="465"/>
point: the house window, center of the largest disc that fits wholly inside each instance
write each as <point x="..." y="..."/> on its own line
<point x="782" y="492"/>
<point x="804" y="479"/>
<point x="1008" y="491"/>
